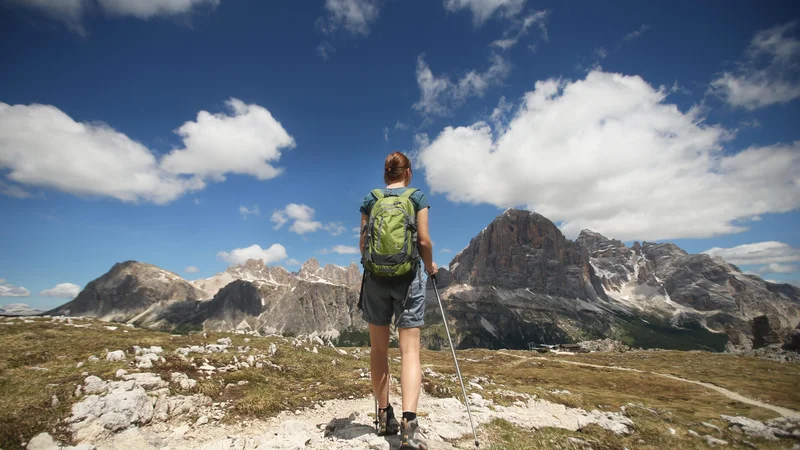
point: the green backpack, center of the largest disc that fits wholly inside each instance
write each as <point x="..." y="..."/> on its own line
<point x="390" y="242"/>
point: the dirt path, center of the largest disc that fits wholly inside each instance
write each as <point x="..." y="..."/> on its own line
<point x="785" y="412"/>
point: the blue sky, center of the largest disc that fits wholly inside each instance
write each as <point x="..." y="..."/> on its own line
<point x="175" y="133"/>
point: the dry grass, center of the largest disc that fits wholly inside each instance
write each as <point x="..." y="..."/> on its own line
<point x="768" y="381"/>
<point x="26" y="390"/>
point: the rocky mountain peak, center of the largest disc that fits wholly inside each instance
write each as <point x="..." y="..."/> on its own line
<point x="595" y="242"/>
<point x="349" y="276"/>
<point x="522" y="249"/>
<point x="662" y="250"/>
<point x="129" y="287"/>
<point x="310" y="267"/>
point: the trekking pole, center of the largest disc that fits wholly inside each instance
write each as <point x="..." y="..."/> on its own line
<point x="455" y="360"/>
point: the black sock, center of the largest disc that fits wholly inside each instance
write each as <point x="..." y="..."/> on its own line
<point x="409" y="416"/>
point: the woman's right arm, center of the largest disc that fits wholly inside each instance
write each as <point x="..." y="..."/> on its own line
<point x="424" y="244"/>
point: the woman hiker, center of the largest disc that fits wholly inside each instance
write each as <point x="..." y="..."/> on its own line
<point x="386" y="294"/>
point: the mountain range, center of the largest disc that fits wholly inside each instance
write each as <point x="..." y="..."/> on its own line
<point x="518" y="283"/>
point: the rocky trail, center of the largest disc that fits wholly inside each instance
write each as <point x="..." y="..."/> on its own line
<point x="347" y="424"/>
<point x="785" y="412"/>
<point x="117" y="415"/>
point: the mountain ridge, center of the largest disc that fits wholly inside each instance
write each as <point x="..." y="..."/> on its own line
<point x="519" y="282"/>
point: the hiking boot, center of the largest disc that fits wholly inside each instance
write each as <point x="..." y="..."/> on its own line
<point x="408" y="434"/>
<point x="387" y="423"/>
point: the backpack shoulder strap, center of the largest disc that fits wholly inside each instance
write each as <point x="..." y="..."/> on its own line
<point x="409" y="192"/>
<point x="377" y="193"/>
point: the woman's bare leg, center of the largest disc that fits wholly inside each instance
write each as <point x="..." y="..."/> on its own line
<point x="411" y="377"/>
<point x="379" y="363"/>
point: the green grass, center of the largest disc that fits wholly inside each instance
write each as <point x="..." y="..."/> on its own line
<point x="657" y="333"/>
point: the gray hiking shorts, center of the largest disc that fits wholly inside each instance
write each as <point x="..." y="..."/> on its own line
<point x="405" y="300"/>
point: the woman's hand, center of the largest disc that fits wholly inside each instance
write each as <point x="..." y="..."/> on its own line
<point x="432" y="270"/>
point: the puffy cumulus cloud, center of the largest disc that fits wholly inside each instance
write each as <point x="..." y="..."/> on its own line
<point x="42" y="146"/>
<point x="769" y="74"/>
<point x="483" y="10"/>
<point x="9" y="290"/>
<point x="274" y="253"/>
<point x="439" y="95"/>
<point x="62" y="290"/>
<point x="610" y="154"/>
<point x="770" y="252"/>
<point x="354" y="16"/>
<point x="301" y="216"/>
<point x="245" y="142"/>
<point x="191" y="269"/>
<point x="302" y="220"/>
<point x="245" y="211"/>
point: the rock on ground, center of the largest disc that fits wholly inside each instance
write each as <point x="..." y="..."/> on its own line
<point x="114" y="406"/>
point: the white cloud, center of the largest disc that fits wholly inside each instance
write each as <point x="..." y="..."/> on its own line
<point x="274" y="253"/>
<point x="610" y="154"/>
<point x="145" y="9"/>
<point x="400" y="126"/>
<point x="601" y="52"/>
<point x="191" y="269"/>
<point x="769" y="73"/>
<point x="483" y="10"/>
<point x="778" y="268"/>
<point x="62" y="290"/>
<point x="355" y="16"/>
<point x="8" y="290"/>
<point x="196" y="201"/>
<point x="301" y="216"/>
<point x="292" y="262"/>
<point x="445" y="250"/>
<point x="635" y="34"/>
<point x="245" y="142"/>
<point x="335" y="228"/>
<point x="386" y="134"/>
<point x="439" y="95"/>
<point x="520" y="28"/>
<point x="43" y="146"/>
<point x="245" y="211"/>
<point x="770" y="252"/>
<point x="71" y="12"/>
<point x="342" y="250"/>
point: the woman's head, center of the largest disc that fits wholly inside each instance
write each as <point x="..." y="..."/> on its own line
<point x="397" y="169"/>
